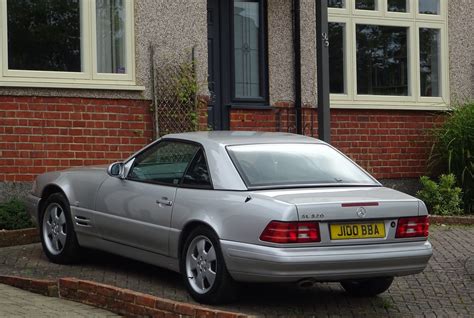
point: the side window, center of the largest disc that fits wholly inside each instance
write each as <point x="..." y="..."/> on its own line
<point x="197" y="175"/>
<point x="164" y="163"/>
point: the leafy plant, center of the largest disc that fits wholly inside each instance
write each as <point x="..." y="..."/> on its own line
<point x="443" y="198"/>
<point x="13" y="215"/>
<point x="177" y="103"/>
<point x="453" y="150"/>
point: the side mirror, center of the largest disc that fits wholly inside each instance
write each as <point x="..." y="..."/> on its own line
<point x="116" y="170"/>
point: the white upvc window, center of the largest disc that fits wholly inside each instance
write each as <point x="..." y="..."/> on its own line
<point x="390" y="54"/>
<point x="67" y="43"/>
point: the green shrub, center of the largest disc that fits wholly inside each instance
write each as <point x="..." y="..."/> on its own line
<point x="13" y="215"/>
<point x="453" y="150"/>
<point x="443" y="198"/>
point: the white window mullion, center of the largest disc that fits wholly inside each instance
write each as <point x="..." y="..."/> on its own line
<point x="86" y="27"/>
<point x="382" y="6"/>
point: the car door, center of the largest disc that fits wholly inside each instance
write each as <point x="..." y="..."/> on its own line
<point x="136" y="211"/>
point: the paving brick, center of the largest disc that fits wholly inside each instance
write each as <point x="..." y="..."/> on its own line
<point x="444" y="289"/>
<point x="19" y="303"/>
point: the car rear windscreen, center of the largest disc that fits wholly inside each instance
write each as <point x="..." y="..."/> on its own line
<point x="289" y="165"/>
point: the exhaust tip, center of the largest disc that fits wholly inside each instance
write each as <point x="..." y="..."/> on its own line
<point x="306" y="283"/>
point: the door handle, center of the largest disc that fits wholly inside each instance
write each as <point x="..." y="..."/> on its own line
<point x="164" y="201"/>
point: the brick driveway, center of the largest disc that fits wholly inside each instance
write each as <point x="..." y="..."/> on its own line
<point x="444" y="289"/>
<point x="19" y="303"/>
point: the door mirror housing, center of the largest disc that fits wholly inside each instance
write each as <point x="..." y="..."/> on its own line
<point x="116" y="170"/>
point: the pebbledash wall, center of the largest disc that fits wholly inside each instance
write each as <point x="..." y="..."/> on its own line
<point x="45" y="129"/>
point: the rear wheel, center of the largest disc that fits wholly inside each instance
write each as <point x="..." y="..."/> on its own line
<point x="367" y="287"/>
<point x="57" y="231"/>
<point x="203" y="268"/>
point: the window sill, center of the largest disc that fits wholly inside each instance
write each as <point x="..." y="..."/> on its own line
<point x="338" y="104"/>
<point x="91" y="86"/>
<point x="251" y="107"/>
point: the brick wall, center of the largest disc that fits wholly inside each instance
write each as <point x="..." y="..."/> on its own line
<point x="390" y="144"/>
<point x="42" y="134"/>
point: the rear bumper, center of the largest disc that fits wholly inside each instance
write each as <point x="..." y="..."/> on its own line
<point x="255" y="263"/>
<point x="32" y="204"/>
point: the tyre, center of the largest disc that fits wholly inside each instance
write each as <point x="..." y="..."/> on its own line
<point x="203" y="269"/>
<point x="367" y="287"/>
<point x="57" y="231"/>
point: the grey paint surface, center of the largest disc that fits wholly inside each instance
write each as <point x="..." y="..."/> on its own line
<point x="122" y="216"/>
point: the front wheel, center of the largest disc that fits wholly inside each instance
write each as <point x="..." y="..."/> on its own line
<point x="367" y="287"/>
<point x="57" y="231"/>
<point x="203" y="268"/>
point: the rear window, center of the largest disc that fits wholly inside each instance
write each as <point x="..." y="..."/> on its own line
<point x="293" y="165"/>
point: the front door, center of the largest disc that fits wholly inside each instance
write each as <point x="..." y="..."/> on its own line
<point x="137" y="211"/>
<point x="238" y="73"/>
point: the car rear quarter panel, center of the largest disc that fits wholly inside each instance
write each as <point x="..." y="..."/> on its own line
<point x="228" y="213"/>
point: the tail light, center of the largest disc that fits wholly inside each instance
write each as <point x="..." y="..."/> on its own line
<point x="291" y="232"/>
<point x="413" y="227"/>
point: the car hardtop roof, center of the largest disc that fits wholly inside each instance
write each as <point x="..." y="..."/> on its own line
<point x="228" y="138"/>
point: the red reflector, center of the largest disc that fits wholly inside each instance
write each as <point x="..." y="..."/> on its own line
<point x="349" y="205"/>
<point x="413" y="227"/>
<point x="291" y="232"/>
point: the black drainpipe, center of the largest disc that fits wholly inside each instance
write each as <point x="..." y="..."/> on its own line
<point x="297" y="63"/>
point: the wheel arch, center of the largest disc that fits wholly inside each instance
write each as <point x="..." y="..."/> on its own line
<point x="48" y="191"/>
<point x="188" y="228"/>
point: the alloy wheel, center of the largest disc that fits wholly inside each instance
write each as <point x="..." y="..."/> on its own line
<point x="201" y="264"/>
<point x="54" y="228"/>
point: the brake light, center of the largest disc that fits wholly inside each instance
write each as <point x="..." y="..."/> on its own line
<point x="413" y="227"/>
<point x="291" y="232"/>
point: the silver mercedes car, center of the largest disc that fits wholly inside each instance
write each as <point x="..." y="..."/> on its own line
<point x="228" y="207"/>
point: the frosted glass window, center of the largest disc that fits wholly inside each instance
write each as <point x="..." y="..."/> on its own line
<point x="247" y="66"/>
<point x="111" y="36"/>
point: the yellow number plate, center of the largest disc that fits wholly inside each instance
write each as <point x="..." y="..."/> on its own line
<point x="357" y="231"/>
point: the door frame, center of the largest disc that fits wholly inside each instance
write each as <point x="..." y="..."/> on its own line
<point x="226" y="64"/>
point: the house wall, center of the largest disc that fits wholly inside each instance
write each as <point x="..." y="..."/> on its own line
<point x="50" y="129"/>
<point x="389" y="144"/>
<point x="281" y="52"/>
<point x="461" y="49"/>
<point x="39" y="134"/>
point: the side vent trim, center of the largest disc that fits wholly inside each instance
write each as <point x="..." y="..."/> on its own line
<point x="82" y="221"/>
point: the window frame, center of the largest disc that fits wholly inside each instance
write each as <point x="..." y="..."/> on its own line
<point x="413" y="21"/>
<point x="190" y="186"/>
<point x="88" y="78"/>
<point x="200" y="147"/>
<point x="263" y="57"/>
